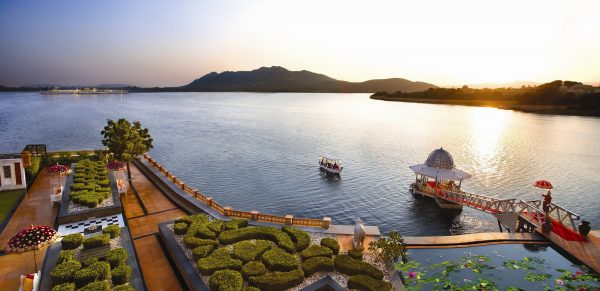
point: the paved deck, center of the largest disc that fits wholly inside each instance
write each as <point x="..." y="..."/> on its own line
<point x="471" y="239"/>
<point x="35" y="209"/>
<point x="587" y="252"/>
<point x="143" y="213"/>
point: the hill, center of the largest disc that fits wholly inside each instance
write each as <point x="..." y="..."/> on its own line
<point x="279" y="79"/>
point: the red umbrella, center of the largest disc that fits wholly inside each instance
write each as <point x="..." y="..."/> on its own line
<point x="32" y="238"/>
<point x="58" y="170"/>
<point x="115" y="166"/>
<point x="542" y="184"/>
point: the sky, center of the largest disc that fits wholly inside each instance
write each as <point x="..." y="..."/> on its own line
<point x="171" y="43"/>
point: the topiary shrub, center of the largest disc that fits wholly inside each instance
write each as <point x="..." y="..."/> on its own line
<point x="277" y="259"/>
<point x="94" y="272"/>
<point x="332" y="244"/>
<point x="103" y="182"/>
<point x="112" y="230"/>
<point x="96" y="286"/>
<point x="317" y="264"/>
<point x="180" y="228"/>
<point x="116" y="257"/>
<point x="366" y="283"/>
<point x="278" y="280"/>
<point x="96" y="241"/>
<point x="186" y="219"/>
<point x="65" y="256"/>
<point x="300" y="238"/>
<point x="249" y="250"/>
<point x="235" y="223"/>
<point x="202" y="251"/>
<point x="71" y="241"/>
<point x="316" y="251"/>
<point x="193" y="242"/>
<point x="218" y="260"/>
<point x="123" y="288"/>
<point x="63" y="273"/>
<point x="355" y="254"/>
<point x="253" y="268"/>
<point x="121" y="274"/>
<point x="201" y="231"/>
<point x="250" y="288"/>
<point x="258" y="232"/>
<point x="216" y="226"/>
<point x="349" y="266"/>
<point x="64" y="287"/>
<point x="89" y="262"/>
<point x="226" y="280"/>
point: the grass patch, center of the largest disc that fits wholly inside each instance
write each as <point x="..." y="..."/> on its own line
<point x="8" y="199"/>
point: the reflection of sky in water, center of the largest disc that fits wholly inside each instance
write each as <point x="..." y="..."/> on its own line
<point x="259" y="151"/>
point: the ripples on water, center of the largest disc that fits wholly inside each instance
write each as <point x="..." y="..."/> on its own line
<point x="259" y="151"/>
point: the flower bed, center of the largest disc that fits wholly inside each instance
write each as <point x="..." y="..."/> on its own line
<point x="261" y="257"/>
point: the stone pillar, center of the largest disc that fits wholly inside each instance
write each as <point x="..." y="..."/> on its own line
<point x="326" y="222"/>
<point x="289" y="219"/>
<point x="254" y="214"/>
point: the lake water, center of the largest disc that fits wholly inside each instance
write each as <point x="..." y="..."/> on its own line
<point x="259" y="151"/>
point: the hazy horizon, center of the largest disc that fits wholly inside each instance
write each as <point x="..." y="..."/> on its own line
<point x="155" y="43"/>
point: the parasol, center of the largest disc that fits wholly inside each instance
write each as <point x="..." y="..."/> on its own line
<point x="31" y="238"/>
<point x="58" y="170"/>
<point x="542" y="184"/>
<point x="115" y="166"/>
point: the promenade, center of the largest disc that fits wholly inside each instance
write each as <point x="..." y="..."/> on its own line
<point x="35" y="209"/>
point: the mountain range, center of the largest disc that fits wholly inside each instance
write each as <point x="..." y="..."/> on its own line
<point x="279" y="79"/>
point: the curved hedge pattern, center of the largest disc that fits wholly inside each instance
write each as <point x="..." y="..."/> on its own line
<point x="250" y="250"/>
<point x="366" y="283"/>
<point x="254" y="268"/>
<point x="218" y="260"/>
<point x="349" y="266"/>
<point x="279" y="260"/>
<point x="332" y="244"/>
<point x="300" y="237"/>
<point x="316" y="251"/>
<point x="278" y="280"/>
<point x="258" y="232"/>
<point x="317" y="264"/>
<point x="226" y="280"/>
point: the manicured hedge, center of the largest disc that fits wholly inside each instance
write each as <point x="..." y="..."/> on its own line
<point x="193" y="242"/>
<point x="200" y="230"/>
<point x="250" y="250"/>
<point x="355" y="254"/>
<point x="300" y="237"/>
<point x="64" y="287"/>
<point x="63" y="273"/>
<point x="96" y="241"/>
<point x="71" y="241"/>
<point x="317" y="264"/>
<point x="226" y="280"/>
<point x="113" y="230"/>
<point x="65" y="256"/>
<point x="216" y="226"/>
<point x="116" y="257"/>
<point x="332" y="244"/>
<point x="202" y="252"/>
<point x="96" y="286"/>
<point x="278" y="280"/>
<point x="123" y="288"/>
<point x="316" y="251"/>
<point x="91" y="185"/>
<point x="121" y="274"/>
<point x="254" y="268"/>
<point x="180" y="228"/>
<point x="89" y="262"/>
<point x="235" y="223"/>
<point x="94" y="272"/>
<point x="218" y="260"/>
<point x="196" y="218"/>
<point x="250" y="288"/>
<point x="349" y="266"/>
<point x="366" y="283"/>
<point x="277" y="259"/>
<point x="258" y="232"/>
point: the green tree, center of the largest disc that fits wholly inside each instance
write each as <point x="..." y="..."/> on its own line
<point x="389" y="248"/>
<point x="125" y="140"/>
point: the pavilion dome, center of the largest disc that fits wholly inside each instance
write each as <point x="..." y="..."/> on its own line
<point x="440" y="158"/>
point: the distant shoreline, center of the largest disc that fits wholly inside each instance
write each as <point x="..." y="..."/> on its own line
<point x="506" y="105"/>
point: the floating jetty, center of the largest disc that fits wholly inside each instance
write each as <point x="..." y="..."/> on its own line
<point x="89" y="91"/>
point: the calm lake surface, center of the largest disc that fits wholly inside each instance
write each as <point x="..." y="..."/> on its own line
<point x="260" y="150"/>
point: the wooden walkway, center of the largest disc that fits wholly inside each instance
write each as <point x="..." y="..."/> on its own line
<point x="35" y="209"/>
<point x="587" y="252"/>
<point x="143" y="213"/>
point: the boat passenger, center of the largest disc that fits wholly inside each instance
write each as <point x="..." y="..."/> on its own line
<point x="547" y="201"/>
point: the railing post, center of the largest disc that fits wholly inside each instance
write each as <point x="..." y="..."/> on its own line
<point x="289" y="219"/>
<point x="209" y="201"/>
<point x="182" y="186"/>
<point x="254" y="214"/>
<point x="326" y="222"/>
<point x="196" y="192"/>
<point x="227" y="211"/>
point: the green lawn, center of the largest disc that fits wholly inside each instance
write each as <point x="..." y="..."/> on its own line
<point x="7" y="200"/>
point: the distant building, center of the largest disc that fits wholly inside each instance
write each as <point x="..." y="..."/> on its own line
<point x="12" y="172"/>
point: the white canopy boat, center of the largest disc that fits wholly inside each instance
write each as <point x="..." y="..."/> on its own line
<point x="330" y="165"/>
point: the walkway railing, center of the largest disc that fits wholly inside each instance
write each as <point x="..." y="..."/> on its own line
<point x="230" y="212"/>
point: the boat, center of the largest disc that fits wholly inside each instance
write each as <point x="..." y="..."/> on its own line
<point x="330" y="165"/>
<point x="83" y="91"/>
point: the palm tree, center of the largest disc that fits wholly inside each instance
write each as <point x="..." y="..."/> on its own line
<point x="125" y="140"/>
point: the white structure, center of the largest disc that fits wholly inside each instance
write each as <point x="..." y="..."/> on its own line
<point x="358" y="238"/>
<point x="12" y="173"/>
